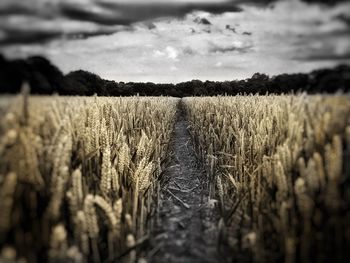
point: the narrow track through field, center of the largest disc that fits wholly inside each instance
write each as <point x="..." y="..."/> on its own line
<point x="186" y="229"/>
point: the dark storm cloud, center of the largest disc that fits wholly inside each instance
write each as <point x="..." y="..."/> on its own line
<point x="33" y="26"/>
<point x="14" y="10"/>
<point x="105" y="14"/>
<point x="113" y="13"/>
<point x="344" y="18"/>
<point x="229" y="48"/>
<point x="102" y="18"/>
<point x="13" y="36"/>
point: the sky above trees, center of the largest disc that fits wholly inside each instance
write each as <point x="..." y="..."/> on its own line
<point x="174" y="41"/>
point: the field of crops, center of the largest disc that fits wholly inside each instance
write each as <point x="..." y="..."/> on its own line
<point x="80" y="176"/>
<point x="280" y="168"/>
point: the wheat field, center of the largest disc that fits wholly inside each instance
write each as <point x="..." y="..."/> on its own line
<point x="280" y="167"/>
<point x="80" y="176"/>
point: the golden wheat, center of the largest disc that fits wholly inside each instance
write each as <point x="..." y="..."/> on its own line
<point x="82" y="172"/>
<point x="283" y="158"/>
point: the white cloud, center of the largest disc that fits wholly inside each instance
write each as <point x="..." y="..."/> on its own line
<point x="158" y="53"/>
<point x="172" y="53"/>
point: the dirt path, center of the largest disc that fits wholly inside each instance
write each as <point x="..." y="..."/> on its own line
<point x="186" y="229"/>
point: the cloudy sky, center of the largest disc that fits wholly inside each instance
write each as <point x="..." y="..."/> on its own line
<point x="178" y="40"/>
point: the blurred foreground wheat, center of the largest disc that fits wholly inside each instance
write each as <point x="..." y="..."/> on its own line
<point x="78" y="175"/>
<point x="280" y="166"/>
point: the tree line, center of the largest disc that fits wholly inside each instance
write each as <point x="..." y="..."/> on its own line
<point x="45" y="78"/>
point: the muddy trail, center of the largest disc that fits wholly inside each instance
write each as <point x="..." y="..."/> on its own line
<point x="186" y="226"/>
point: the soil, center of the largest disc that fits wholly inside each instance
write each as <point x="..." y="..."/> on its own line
<point x="186" y="228"/>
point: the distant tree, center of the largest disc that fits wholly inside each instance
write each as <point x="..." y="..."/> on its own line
<point x="86" y="83"/>
<point x="285" y="83"/>
<point x="45" y="78"/>
<point x="197" y="88"/>
<point x="259" y="77"/>
<point x="258" y="83"/>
